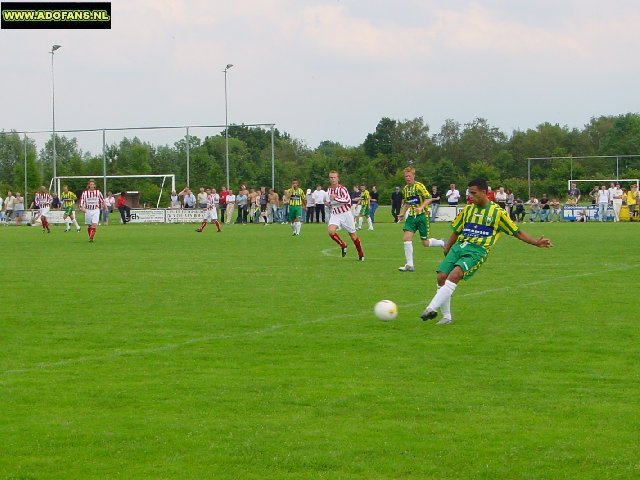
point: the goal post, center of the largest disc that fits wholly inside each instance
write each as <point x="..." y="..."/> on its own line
<point x="57" y="180"/>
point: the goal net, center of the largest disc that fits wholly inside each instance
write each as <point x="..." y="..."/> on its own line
<point x="57" y="182"/>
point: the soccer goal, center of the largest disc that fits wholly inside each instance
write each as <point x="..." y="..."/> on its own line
<point x="56" y="181"/>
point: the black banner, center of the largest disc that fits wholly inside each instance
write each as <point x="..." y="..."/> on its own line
<point x="60" y="15"/>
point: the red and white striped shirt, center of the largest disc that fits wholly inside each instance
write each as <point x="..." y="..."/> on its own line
<point x="91" y="199"/>
<point x="342" y="201"/>
<point x="43" y="200"/>
<point x="213" y="199"/>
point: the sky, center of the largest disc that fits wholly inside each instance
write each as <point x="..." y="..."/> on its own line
<point x="326" y="70"/>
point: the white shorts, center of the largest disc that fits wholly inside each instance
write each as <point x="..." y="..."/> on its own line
<point x="92" y="217"/>
<point x="343" y="220"/>
<point x="44" y="211"/>
<point x="210" y="214"/>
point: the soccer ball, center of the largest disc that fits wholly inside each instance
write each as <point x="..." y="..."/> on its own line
<point x="386" y="310"/>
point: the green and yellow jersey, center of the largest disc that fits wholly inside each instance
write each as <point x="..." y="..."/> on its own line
<point x="297" y="197"/>
<point x="68" y="199"/>
<point x="365" y="198"/>
<point x="483" y="225"/>
<point x="414" y="195"/>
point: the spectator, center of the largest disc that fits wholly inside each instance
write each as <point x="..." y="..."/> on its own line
<point x="396" y="203"/>
<point x="518" y="210"/>
<point x="286" y="195"/>
<point x="242" y="204"/>
<point x="544" y="208"/>
<point x="123" y="208"/>
<point x="534" y="208"/>
<point x="582" y="216"/>
<point x="319" y="197"/>
<point x="2" y="217"/>
<point x="263" y="202"/>
<point x="603" y="203"/>
<point x="274" y="205"/>
<point x="174" y="201"/>
<point x="188" y="198"/>
<point x="109" y="202"/>
<point x="510" y="201"/>
<point x="254" y="206"/>
<point x="453" y="195"/>
<point x="501" y="198"/>
<point x="355" y="201"/>
<point x="310" y="207"/>
<point x="556" y="210"/>
<point x="435" y="202"/>
<point x="375" y="197"/>
<point x="9" y="203"/>
<point x="491" y="195"/>
<point x="573" y="195"/>
<point x="223" y="203"/>
<point x="56" y="204"/>
<point x="616" y="201"/>
<point x="230" y="205"/>
<point x="18" y="208"/>
<point x="593" y="194"/>
<point x="202" y="198"/>
<point x="632" y="201"/>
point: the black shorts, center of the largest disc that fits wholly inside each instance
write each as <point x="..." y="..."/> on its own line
<point x="263" y="208"/>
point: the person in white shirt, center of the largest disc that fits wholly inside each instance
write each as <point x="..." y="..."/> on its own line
<point x="231" y="206"/>
<point x="453" y="195"/>
<point x="1" y="211"/>
<point x="616" y="199"/>
<point x="174" y="201"/>
<point x="202" y="198"/>
<point x="603" y="203"/>
<point x="319" y="197"/>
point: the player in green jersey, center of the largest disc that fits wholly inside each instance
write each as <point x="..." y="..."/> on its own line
<point x="68" y="200"/>
<point x="416" y="199"/>
<point x="365" y="207"/>
<point x="476" y="229"/>
<point x="297" y="198"/>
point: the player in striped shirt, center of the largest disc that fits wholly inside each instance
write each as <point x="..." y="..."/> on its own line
<point x="476" y="229"/>
<point x="341" y="215"/>
<point x="91" y="202"/>
<point x="42" y="201"/>
<point x="365" y="207"/>
<point x="210" y="212"/>
<point x="297" y="198"/>
<point x="68" y="199"/>
<point x="416" y="199"/>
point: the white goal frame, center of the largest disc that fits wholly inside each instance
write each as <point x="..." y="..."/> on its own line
<point x="56" y="181"/>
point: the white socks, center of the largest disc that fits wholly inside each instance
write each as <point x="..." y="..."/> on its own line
<point x="442" y="298"/>
<point x="446" y="307"/>
<point x="436" y="243"/>
<point x="408" y="253"/>
<point x="296" y="227"/>
<point x="369" y="223"/>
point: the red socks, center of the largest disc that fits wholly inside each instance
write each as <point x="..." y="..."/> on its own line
<point x="92" y="231"/>
<point x="202" y="225"/>
<point x="336" y="238"/>
<point x="45" y="223"/>
<point x="356" y="242"/>
<point x="217" y="224"/>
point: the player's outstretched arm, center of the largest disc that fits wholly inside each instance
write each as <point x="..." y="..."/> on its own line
<point x="541" y="242"/>
<point x="451" y="242"/>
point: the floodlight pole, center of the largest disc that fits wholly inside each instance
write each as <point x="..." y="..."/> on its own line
<point x="53" y="110"/>
<point x="226" y="121"/>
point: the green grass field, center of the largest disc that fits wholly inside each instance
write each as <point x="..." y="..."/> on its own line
<point x="157" y="352"/>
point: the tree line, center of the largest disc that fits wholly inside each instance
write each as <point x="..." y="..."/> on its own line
<point x="453" y="155"/>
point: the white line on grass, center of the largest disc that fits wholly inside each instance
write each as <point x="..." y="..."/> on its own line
<point x="275" y="327"/>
